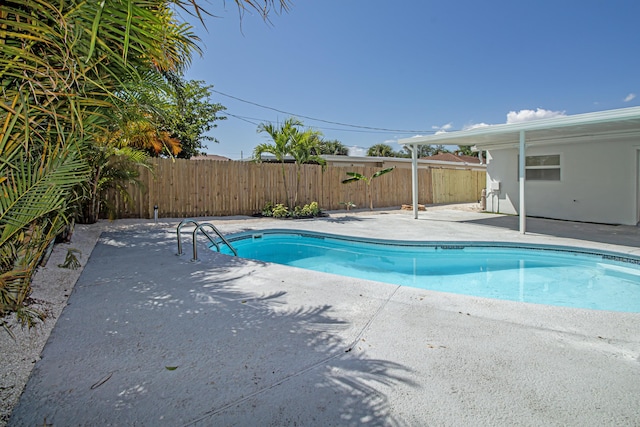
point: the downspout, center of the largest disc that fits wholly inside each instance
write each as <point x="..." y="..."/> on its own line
<point x="414" y="178"/>
<point x="521" y="173"/>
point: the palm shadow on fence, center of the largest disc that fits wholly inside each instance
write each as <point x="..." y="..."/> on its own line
<point x="149" y="337"/>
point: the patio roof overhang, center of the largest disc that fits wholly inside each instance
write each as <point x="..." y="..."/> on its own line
<point x="577" y="128"/>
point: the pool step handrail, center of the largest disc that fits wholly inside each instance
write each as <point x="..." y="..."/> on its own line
<point x="213" y="227"/>
<point x="183" y="223"/>
<point x="196" y="223"/>
<point x="200" y="227"/>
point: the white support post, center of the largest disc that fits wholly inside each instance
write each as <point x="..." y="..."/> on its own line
<point x="414" y="179"/>
<point x="521" y="173"/>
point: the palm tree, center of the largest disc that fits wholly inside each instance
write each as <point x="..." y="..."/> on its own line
<point x="381" y="150"/>
<point x="367" y="179"/>
<point x="280" y="148"/>
<point x="423" y="151"/>
<point x="143" y="107"/>
<point x="302" y="149"/>
<point x="289" y="141"/>
<point x="333" y="147"/>
<point x="112" y="168"/>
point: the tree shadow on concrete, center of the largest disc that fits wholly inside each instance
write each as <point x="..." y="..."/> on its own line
<point x="149" y="338"/>
<point x="345" y="219"/>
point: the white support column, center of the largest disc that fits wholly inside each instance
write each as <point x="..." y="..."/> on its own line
<point x="521" y="173"/>
<point x="414" y="178"/>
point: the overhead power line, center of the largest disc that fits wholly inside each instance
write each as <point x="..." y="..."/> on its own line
<point x="320" y="120"/>
<point x="252" y="120"/>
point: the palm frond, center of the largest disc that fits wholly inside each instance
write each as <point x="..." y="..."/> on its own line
<point x="381" y="172"/>
<point x="348" y="180"/>
<point x="32" y="191"/>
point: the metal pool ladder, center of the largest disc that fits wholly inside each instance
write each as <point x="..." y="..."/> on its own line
<point x="200" y="227"/>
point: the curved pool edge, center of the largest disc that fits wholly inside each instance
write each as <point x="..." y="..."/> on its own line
<point x="615" y="300"/>
<point x="628" y="257"/>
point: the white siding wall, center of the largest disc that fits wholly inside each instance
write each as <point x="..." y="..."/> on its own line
<point x="598" y="183"/>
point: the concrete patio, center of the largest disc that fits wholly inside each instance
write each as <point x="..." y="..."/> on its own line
<point x="149" y="338"/>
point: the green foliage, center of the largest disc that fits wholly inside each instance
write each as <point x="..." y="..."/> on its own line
<point x="355" y="176"/>
<point x="381" y="150"/>
<point x="288" y="140"/>
<point x="281" y="211"/>
<point x="267" y="210"/>
<point x="190" y="118"/>
<point x="112" y="168"/>
<point x="423" y="151"/>
<point x="348" y="205"/>
<point x="332" y="148"/>
<point x="466" y="151"/>
<point x="63" y="66"/>
<point x="440" y="149"/>
<point x="311" y="209"/>
<point x="31" y="192"/>
<point x="143" y="107"/>
<point x="71" y="260"/>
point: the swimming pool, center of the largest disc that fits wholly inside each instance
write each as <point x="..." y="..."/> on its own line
<point x="552" y="275"/>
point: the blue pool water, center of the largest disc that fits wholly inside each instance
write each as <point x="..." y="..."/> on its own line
<point x="550" y="275"/>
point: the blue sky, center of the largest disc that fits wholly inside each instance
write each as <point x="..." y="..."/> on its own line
<point x="415" y="66"/>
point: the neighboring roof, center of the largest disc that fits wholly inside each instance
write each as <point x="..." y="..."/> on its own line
<point x="451" y="157"/>
<point x="575" y="128"/>
<point x="209" y="157"/>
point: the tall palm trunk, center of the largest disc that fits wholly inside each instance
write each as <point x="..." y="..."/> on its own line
<point x="286" y="186"/>
<point x="298" y="174"/>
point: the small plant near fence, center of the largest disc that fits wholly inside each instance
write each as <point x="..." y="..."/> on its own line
<point x="279" y="210"/>
<point x="348" y="205"/>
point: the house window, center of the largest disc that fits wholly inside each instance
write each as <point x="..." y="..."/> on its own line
<point x="542" y="168"/>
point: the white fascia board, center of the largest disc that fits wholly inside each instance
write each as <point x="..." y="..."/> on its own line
<point x="488" y="134"/>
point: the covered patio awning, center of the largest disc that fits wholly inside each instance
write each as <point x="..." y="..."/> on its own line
<point x="566" y="129"/>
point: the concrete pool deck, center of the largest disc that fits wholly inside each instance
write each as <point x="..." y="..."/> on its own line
<point x="149" y="338"/>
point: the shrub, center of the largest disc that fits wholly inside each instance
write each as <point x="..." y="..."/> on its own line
<point x="312" y="209"/>
<point x="267" y="210"/>
<point x="280" y="211"/>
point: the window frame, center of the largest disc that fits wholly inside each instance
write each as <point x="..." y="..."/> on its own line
<point x="543" y="167"/>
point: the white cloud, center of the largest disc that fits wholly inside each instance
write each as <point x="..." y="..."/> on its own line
<point x="629" y="97"/>
<point x="475" y="126"/>
<point x="390" y="141"/>
<point x="443" y="128"/>
<point x="528" y="115"/>
<point x="356" y="151"/>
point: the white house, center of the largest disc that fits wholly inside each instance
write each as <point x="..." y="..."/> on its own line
<point x="583" y="167"/>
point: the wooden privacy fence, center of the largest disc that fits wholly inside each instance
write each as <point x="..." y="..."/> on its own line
<point x="188" y="188"/>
